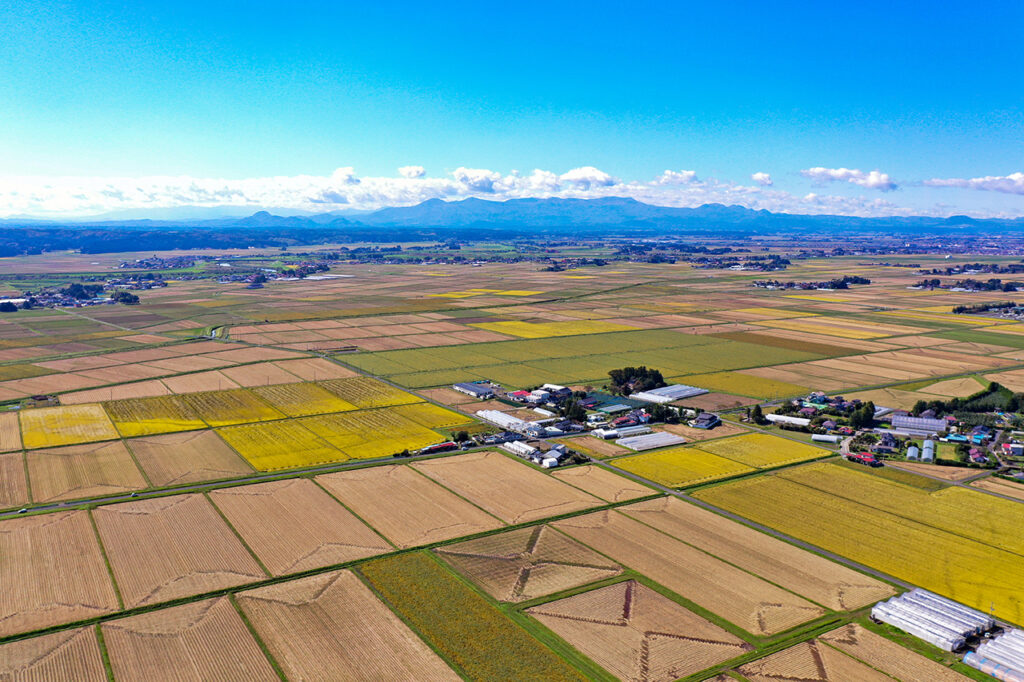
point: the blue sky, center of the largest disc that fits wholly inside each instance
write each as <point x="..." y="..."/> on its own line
<point x="232" y="91"/>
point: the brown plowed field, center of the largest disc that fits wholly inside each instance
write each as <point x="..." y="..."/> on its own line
<point x="140" y="389"/>
<point x="743" y="599"/>
<point x="810" y="662"/>
<point x="315" y="369"/>
<point x="526" y="563"/>
<point x="888" y="656"/>
<point x="637" y="634"/>
<point x="603" y="483"/>
<point x="197" y="383"/>
<point x="260" y="374"/>
<point x="52" y="572"/>
<point x="175" y="458"/>
<point x="69" y="655"/>
<point x="488" y="479"/>
<point x="293" y="525"/>
<point x="13" y="488"/>
<point x="998" y="485"/>
<point x="332" y="627"/>
<point x="10" y="432"/>
<point x="172" y="547"/>
<point x="406" y="507"/>
<point x="82" y="471"/>
<point x="820" y="580"/>
<point x="205" y="640"/>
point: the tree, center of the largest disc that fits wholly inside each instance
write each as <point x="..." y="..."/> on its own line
<point x="757" y="415"/>
<point x="863" y="417"/>
<point x="919" y="407"/>
<point x="8" y="307"/>
<point x="571" y="409"/>
<point x="124" y="296"/>
<point x="461" y="436"/>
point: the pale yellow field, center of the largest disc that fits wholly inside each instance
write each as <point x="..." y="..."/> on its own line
<point x="171" y="547"/>
<point x="997" y="485"/>
<point x="762" y="450"/>
<point x="68" y="655"/>
<point x="742" y="384"/>
<point x="293" y="525"/>
<point x="82" y="471"/>
<point x="485" y="478"/>
<point x="371" y="433"/>
<point x="824" y="662"/>
<point x="47" y="427"/>
<point x="10" y="432"/>
<point x="681" y="466"/>
<point x="13" y="485"/>
<point x="365" y="392"/>
<point x="602" y="483"/>
<point x="279" y="445"/>
<point x="544" y="330"/>
<point x="205" y="640"/>
<point x="148" y="416"/>
<point x="888" y="656"/>
<point x="405" y="506"/>
<point x="222" y="408"/>
<point x="302" y="400"/>
<point x="746" y="601"/>
<point x="331" y="626"/>
<point x="430" y="416"/>
<point x="52" y="572"/>
<point x="175" y="458"/>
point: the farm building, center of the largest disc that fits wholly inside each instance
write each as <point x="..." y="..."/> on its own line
<point x="556" y="391"/>
<point x="504" y="421"/>
<point x="1001" y="657"/>
<point x="519" y="449"/>
<point x="706" y="420"/>
<point x="824" y="438"/>
<point x="785" y="419"/>
<point x="479" y="391"/>
<point x="650" y="441"/>
<point x="669" y="394"/>
<point x="928" y="451"/>
<point x="918" y="426"/>
<point x="937" y="620"/>
<point x="913" y="452"/>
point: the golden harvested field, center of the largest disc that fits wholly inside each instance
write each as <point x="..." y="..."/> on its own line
<point x="171" y="547"/>
<point x="744" y="600"/>
<point x="888" y="656"/>
<point x="935" y="470"/>
<point x="176" y="458"/>
<point x="68" y="655"/>
<point x="998" y="485"/>
<point x="260" y="374"/>
<point x="10" y="432"/>
<point x="279" y="445"/>
<point x="691" y="434"/>
<point x="315" y="369"/>
<point x="406" y="507"/>
<point x="48" y="427"/>
<point x="762" y="450"/>
<point x="822" y="581"/>
<point x="223" y="408"/>
<point x="302" y="400"/>
<point x="485" y="479"/>
<point x="200" y="382"/>
<point x="204" y="640"/>
<point x="52" y="572"/>
<point x="82" y="471"/>
<point x="365" y="392"/>
<point x="448" y="396"/>
<point x="527" y="563"/>
<point x="810" y="662"/>
<point x="367" y="434"/>
<point x="951" y="561"/>
<point x="681" y="466"/>
<point x="148" y="416"/>
<point x="13" y="485"/>
<point x="637" y="634"/>
<point x="742" y="384"/>
<point x="595" y="447"/>
<point x="954" y="388"/>
<point x="544" y="330"/>
<point x="331" y="626"/>
<point x="293" y="525"/>
<point x="602" y="483"/>
<point x="430" y="416"/>
<point x="139" y="389"/>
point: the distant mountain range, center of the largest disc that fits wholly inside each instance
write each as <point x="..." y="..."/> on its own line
<point x="606" y="214"/>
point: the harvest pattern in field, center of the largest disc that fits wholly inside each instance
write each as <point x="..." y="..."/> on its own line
<point x="544" y="330"/>
<point x="53" y="572"/>
<point x="302" y="400"/>
<point x="820" y="580"/>
<point x="68" y="655"/>
<point x="222" y="408"/>
<point x="461" y="624"/>
<point x="888" y="656"/>
<point x="279" y="445"/>
<point x="637" y="634"/>
<point x="430" y="416"/>
<point x="810" y="662"/>
<point x="331" y="626"/>
<point x="742" y="384"/>
<point x="10" y="432"/>
<point x="48" y="427"/>
<point x="526" y="563"/>
<point x="1002" y="487"/>
<point x="13" y="485"/>
<point x="176" y="458"/>
<point x="485" y="478"/>
<point x="745" y="600"/>
<point x="148" y="416"/>
<point x="681" y="466"/>
<point x="82" y="471"/>
<point x="293" y="525"/>
<point x="365" y="392"/>
<point x="171" y="547"/>
<point x="418" y="510"/>
<point x="602" y="483"/>
<point x="368" y="434"/>
<point x="762" y="450"/>
<point x="204" y="640"/>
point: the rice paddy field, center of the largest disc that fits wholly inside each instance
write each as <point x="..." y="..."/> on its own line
<point x="275" y="536"/>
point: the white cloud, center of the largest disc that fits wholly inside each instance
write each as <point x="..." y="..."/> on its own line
<point x="412" y="172"/>
<point x="871" y="180"/>
<point x="587" y="177"/>
<point x="763" y="179"/>
<point x="683" y="177"/>
<point x="1007" y="184"/>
